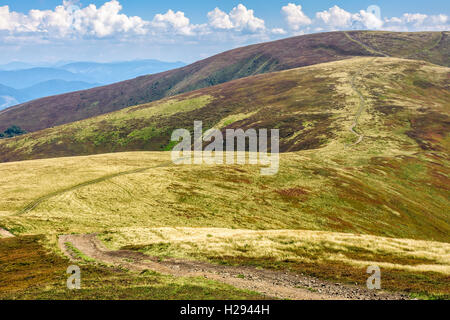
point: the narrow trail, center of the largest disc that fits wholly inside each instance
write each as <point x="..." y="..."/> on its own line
<point x="366" y="47"/>
<point x="30" y="206"/>
<point x="362" y="104"/>
<point x="5" y="234"/>
<point x="434" y="45"/>
<point x="362" y="101"/>
<point x="274" y="284"/>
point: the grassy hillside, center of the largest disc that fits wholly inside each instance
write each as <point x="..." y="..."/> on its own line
<point x="257" y="59"/>
<point x="364" y="180"/>
<point x="406" y="105"/>
<point x="365" y="209"/>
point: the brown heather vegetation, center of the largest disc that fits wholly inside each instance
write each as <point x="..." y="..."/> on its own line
<point x="309" y="105"/>
<point x="243" y="62"/>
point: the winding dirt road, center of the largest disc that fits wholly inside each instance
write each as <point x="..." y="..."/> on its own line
<point x="274" y="284"/>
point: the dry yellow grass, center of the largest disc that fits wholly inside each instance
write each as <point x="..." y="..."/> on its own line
<point x="22" y="182"/>
<point x="97" y="193"/>
<point x="281" y="245"/>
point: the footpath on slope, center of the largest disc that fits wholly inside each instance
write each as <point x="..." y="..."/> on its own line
<point x="274" y="284"/>
<point x="362" y="105"/>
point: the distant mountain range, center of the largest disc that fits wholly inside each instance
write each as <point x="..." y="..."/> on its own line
<point x="107" y="73"/>
<point x="10" y="96"/>
<point x="21" y="82"/>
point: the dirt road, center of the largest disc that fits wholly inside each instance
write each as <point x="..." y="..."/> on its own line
<point x="5" y="234"/>
<point x="274" y="284"/>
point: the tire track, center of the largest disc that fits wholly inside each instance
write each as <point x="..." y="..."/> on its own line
<point x="30" y="206"/>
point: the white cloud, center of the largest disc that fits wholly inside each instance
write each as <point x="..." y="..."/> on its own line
<point x="335" y="17"/>
<point x="239" y="19"/>
<point x="219" y="19"/>
<point x="368" y="20"/>
<point x="418" y="22"/>
<point x="278" y="31"/>
<point x="240" y="25"/>
<point x="106" y="20"/>
<point x="176" y="22"/>
<point x="441" y="19"/>
<point x="65" y="20"/>
<point x="294" y="16"/>
<point x="244" y="19"/>
<point x="9" y="20"/>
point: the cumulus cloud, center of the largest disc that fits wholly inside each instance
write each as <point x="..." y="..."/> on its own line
<point x="335" y="17"/>
<point x="9" y="21"/>
<point x="106" y="20"/>
<point x="368" y="20"/>
<point x="68" y="20"/>
<point x="176" y="22"/>
<point x="219" y="19"/>
<point x="417" y="22"/>
<point x="278" y="31"/>
<point x="294" y="16"/>
<point x="239" y="19"/>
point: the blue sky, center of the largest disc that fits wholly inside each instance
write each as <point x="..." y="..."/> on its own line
<point x="111" y="30"/>
<point x="269" y="9"/>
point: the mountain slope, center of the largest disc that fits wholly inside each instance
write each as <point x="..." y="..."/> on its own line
<point x="393" y="183"/>
<point x="257" y="59"/>
<point x="371" y="174"/>
<point x="309" y="105"/>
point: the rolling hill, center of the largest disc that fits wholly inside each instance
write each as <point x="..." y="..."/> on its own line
<point x="243" y="62"/>
<point x="398" y="136"/>
<point x="363" y="180"/>
<point x="309" y="105"/>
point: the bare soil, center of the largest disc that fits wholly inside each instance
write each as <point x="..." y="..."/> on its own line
<point x="5" y="234"/>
